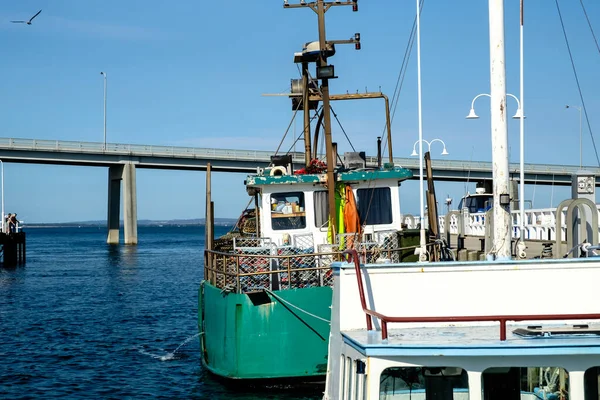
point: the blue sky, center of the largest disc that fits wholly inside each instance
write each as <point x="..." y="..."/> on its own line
<point x="191" y="73"/>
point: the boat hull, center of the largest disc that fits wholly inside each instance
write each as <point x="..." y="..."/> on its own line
<point x="241" y="340"/>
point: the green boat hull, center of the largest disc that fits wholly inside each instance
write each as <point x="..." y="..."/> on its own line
<point x="241" y="340"/>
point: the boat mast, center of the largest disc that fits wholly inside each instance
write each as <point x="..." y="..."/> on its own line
<point x="501" y="209"/>
<point x="330" y="157"/>
<point x="320" y="7"/>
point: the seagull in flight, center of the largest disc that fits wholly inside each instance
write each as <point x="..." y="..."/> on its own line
<point x="27" y="22"/>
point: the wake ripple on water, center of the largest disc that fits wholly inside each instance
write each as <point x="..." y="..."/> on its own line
<point x="169" y="356"/>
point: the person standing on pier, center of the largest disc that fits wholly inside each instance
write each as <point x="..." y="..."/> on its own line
<point x="12" y="223"/>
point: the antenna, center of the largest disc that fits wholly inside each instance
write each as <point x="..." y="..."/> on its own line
<point x="326" y="72"/>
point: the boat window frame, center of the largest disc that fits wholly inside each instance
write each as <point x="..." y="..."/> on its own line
<point x="375" y="214"/>
<point x="284" y="218"/>
<point x="460" y="380"/>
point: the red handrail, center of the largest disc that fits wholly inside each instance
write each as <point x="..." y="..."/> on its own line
<point x="502" y="319"/>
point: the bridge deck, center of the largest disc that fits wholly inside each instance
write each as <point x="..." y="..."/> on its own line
<point x="231" y="160"/>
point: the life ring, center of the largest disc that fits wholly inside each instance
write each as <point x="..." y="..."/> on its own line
<point x="277" y="171"/>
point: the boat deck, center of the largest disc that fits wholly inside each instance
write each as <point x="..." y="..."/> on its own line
<point x="473" y="340"/>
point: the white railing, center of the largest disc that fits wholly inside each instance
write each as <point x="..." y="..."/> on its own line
<point x="540" y="224"/>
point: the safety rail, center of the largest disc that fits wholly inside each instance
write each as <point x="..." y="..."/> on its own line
<point x="246" y="272"/>
<point x="502" y="319"/>
<point x="539" y="224"/>
<point x="249" y="268"/>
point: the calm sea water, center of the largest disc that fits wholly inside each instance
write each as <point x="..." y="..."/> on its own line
<point x="83" y="319"/>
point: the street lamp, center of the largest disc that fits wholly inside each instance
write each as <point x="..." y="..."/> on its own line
<point x="423" y="250"/>
<point x="580" y="137"/>
<point x="518" y="115"/>
<point x="414" y="152"/>
<point x="104" y="74"/>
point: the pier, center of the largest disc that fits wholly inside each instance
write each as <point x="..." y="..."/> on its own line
<point x="13" y="248"/>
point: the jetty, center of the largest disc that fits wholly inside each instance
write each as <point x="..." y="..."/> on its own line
<point x="13" y="250"/>
<point x="564" y="231"/>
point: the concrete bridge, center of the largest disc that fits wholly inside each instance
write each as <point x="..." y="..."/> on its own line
<point x="122" y="161"/>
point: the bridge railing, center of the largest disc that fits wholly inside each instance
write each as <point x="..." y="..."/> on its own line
<point x="534" y="172"/>
<point x="131" y="149"/>
<point x="145" y="150"/>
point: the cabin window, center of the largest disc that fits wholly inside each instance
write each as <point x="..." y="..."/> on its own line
<point x="590" y="381"/>
<point x="424" y="383"/>
<point x="530" y="382"/>
<point x="374" y="206"/>
<point x="287" y="211"/>
<point x="321" y="208"/>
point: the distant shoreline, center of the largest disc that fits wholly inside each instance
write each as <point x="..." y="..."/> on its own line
<point x="142" y="223"/>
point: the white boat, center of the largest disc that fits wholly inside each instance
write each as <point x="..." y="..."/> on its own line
<point x="449" y="327"/>
<point x="501" y="328"/>
<point x="478" y="202"/>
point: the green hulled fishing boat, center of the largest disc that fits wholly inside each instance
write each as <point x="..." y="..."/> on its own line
<point x="265" y="302"/>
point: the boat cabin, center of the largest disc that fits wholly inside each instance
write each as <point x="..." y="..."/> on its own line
<point x="478" y="202"/>
<point x="293" y="209"/>
<point x="470" y="330"/>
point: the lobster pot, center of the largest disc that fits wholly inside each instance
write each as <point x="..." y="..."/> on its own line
<point x="388" y="244"/>
<point x="369" y="252"/>
<point x="348" y="241"/>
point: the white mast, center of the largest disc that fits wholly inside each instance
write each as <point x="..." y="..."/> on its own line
<point x="423" y="240"/>
<point x="501" y="209"/>
<point x="522" y="131"/>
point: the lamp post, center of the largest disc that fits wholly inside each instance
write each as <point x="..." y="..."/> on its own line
<point x="104" y="74"/>
<point x="518" y="115"/>
<point x="423" y="249"/>
<point x="580" y="137"/>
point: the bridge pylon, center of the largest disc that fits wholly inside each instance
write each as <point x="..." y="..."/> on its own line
<point x="116" y="174"/>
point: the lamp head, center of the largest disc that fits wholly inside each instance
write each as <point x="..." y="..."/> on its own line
<point x="444" y="152"/>
<point x="519" y="114"/>
<point x="472" y="114"/>
<point x="414" y="153"/>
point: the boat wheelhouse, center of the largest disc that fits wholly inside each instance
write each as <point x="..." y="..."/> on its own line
<point x="293" y="209"/>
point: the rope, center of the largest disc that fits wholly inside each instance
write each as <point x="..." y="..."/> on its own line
<point x="288" y="129"/>
<point x="587" y="120"/>
<point x="296" y="307"/>
<point x="402" y="72"/>
<point x="590" y="25"/>
<point x="301" y="137"/>
<point x="342" y="128"/>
